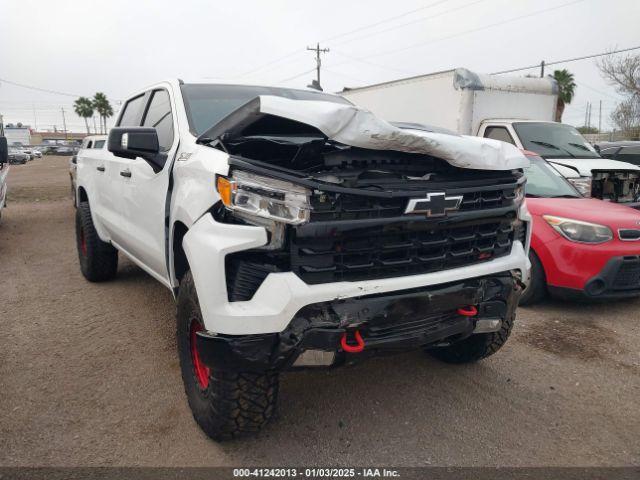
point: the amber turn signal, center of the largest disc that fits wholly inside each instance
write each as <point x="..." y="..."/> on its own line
<point x="225" y="188"/>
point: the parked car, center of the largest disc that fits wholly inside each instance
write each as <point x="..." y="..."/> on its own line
<point x="64" y="151"/>
<point x="17" y="157"/>
<point x="90" y="142"/>
<point x="627" y="151"/>
<point x="297" y="230"/>
<point x="513" y="109"/>
<point x="36" y="153"/>
<point x="580" y="247"/>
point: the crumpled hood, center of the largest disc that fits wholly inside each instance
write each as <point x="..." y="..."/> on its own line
<point x="357" y="127"/>
<point x="584" y="166"/>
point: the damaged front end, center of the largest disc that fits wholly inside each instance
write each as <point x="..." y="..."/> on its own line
<point x="345" y="331"/>
<point x="616" y="186"/>
<point x="345" y="197"/>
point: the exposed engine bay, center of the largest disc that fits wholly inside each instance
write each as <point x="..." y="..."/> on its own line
<point x="324" y="160"/>
<point x="351" y="126"/>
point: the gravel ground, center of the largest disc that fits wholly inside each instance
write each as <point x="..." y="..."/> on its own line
<point x="89" y="375"/>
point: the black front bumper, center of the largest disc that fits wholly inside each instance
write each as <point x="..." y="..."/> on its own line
<point x="392" y="322"/>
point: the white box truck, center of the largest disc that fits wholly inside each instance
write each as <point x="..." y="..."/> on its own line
<point x="517" y="110"/>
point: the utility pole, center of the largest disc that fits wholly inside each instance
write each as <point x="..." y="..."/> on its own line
<point x="586" y="115"/>
<point x="542" y="69"/>
<point x="35" y="120"/>
<point x="318" y="51"/>
<point x="64" y="125"/>
<point x="590" y="108"/>
<point x="600" y="117"/>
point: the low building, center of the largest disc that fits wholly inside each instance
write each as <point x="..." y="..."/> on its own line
<point x="56" y="138"/>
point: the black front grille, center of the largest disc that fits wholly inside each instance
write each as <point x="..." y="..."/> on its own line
<point x="629" y="234"/>
<point x="398" y="249"/>
<point x="628" y="276"/>
<point x="330" y="207"/>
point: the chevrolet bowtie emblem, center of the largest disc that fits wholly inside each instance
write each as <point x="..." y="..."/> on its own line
<point x="435" y="205"/>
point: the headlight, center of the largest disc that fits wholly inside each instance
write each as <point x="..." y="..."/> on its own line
<point x="582" y="184"/>
<point x="578" y="231"/>
<point x="264" y="197"/>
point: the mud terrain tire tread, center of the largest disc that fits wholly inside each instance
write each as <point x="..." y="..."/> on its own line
<point x="100" y="260"/>
<point x="234" y="404"/>
<point x="476" y="347"/>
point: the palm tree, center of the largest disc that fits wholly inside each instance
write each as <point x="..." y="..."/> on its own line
<point x="566" y="90"/>
<point x="84" y="108"/>
<point x="104" y="109"/>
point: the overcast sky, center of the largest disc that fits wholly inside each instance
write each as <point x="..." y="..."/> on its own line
<point x="116" y="46"/>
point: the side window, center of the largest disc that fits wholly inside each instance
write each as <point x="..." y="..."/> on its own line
<point x="629" y="154"/>
<point x="88" y="144"/>
<point x="98" y="144"/>
<point x="159" y="117"/>
<point x="130" y="116"/>
<point x="499" y="133"/>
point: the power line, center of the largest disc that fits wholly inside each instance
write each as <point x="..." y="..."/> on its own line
<point x="585" y="57"/>
<point x="473" y="30"/>
<point x="56" y="92"/>
<point x="341" y="74"/>
<point x="421" y="19"/>
<point x="367" y="62"/>
<point x="582" y="84"/>
<point x="272" y="62"/>
<point x="380" y="22"/>
<point x="297" y="76"/>
<point x="389" y="19"/>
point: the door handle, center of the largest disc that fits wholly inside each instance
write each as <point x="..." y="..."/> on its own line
<point x="100" y="168"/>
<point x="125" y="173"/>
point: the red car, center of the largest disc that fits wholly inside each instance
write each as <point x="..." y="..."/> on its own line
<point x="580" y="247"/>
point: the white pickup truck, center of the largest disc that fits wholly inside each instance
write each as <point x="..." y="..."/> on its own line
<point x="297" y="230"/>
<point x="513" y="109"/>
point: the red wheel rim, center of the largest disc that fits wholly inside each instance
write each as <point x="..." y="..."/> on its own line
<point x="83" y="242"/>
<point x="200" y="370"/>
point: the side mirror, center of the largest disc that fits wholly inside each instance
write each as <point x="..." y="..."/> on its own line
<point x="133" y="142"/>
<point x="4" y="150"/>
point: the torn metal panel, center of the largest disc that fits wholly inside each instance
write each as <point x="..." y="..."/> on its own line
<point x="354" y="126"/>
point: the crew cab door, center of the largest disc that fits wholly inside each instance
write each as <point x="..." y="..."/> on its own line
<point x="139" y="190"/>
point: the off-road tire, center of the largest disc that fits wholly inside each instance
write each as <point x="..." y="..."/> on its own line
<point x="98" y="259"/>
<point x="232" y="404"/>
<point x="476" y="347"/>
<point x="537" y="288"/>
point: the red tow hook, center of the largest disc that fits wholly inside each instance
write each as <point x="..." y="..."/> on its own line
<point x="468" y="311"/>
<point x="352" y="348"/>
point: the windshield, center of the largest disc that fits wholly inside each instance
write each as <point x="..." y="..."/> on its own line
<point x="208" y="104"/>
<point x="544" y="181"/>
<point x="554" y="140"/>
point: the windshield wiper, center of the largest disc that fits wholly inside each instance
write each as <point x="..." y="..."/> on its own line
<point x="565" y="196"/>
<point x="577" y="145"/>
<point x="551" y="145"/>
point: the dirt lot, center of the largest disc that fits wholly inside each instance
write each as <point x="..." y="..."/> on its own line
<point x="89" y="375"/>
